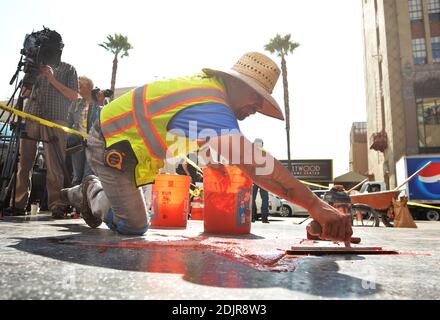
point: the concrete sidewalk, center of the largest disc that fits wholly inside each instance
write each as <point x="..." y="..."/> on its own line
<point x="64" y="259"/>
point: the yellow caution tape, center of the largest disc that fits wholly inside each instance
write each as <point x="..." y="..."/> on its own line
<point x="422" y="205"/>
<point x="314" y="184"/>
<point x="42" y="121"/>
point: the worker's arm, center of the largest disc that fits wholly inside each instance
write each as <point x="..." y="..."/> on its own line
<point x="271" y="175"/>
<point x="65" y="91"/>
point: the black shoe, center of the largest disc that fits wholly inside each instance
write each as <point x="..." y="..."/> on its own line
<point x="253" y="220"/>
<point x="265" y="221"/>
<point x="9" y="212"/>
<point x="58" y="213"/>
<point x="77" y="197"/>
<point x="87" y="214"/>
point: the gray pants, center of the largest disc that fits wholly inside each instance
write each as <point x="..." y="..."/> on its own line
<point x="54" y="154"/>
<point x="122" y="205"/>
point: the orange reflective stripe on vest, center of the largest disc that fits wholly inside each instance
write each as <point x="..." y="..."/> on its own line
<point x="118" y="124"/>
<point x="144" y="126"/>
<point x="178" y="98"/>
<point x="143" y="111"/>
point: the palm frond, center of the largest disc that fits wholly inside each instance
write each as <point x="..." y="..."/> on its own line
<point x="117" y="44"/>
<point x="281" y="45"/>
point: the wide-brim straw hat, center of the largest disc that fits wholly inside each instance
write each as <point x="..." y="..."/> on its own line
<point x="261" y="74"/>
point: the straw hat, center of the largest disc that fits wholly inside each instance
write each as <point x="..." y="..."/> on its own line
<point x="261" y="74"/>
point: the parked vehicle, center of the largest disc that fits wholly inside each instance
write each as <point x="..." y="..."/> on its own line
<point x="423" y="189"/>
<point x="274" y="204"/>
<point x="290" y="210"/>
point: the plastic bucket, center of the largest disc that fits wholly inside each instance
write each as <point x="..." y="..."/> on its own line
<point x="227" y="200"/>
<point x="170" y="201"/>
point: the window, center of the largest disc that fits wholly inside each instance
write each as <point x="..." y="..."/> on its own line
<point x="415" y="10"/>
<point x="434" y="10"/>
<point x="419" y="51"/>
<point x="435" y="41"/>
<point x="428" y="118"/>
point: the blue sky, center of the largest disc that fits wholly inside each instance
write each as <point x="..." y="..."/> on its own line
<point x="172" y="37"/>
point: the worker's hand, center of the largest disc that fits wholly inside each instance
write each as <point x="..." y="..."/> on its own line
<point x="335" y="226"/>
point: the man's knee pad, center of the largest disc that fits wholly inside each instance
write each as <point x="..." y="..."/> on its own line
<point x="122" y="227"/>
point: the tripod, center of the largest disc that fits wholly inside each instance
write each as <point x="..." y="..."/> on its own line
<point x="11" y="156"/>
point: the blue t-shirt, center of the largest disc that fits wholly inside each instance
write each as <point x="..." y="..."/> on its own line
<point x="209" y="119"/>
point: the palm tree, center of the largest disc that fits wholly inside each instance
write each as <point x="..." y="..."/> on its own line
<point x="118" y="45"/>
<point x="283" y="46"/>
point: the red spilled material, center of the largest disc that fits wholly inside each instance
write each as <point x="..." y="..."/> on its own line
<point x="170" y="201"/>
<point x="171" y="256"/>
<point x="227" y="197"/>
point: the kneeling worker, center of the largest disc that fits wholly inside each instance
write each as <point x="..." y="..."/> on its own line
<point x="138" y="131"/>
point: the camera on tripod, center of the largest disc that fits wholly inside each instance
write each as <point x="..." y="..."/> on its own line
<point x="106" y="93"/>
<point x="39" y="48"/>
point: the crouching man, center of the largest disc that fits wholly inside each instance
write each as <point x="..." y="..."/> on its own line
<point x="129" y="144"/>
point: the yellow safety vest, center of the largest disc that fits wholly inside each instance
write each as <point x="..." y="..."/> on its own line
<point x="141" y="117"/>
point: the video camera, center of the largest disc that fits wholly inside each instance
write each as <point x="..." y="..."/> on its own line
<point x="40" y="48"/>
<point x="107" y="93"/>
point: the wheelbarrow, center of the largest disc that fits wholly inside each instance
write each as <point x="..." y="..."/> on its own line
<point x="374" y="206"/>
<point x="377" y="205"/>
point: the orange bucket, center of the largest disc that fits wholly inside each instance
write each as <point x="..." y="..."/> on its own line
<point x="170" y="201"/>
<point x="227" y="200"/>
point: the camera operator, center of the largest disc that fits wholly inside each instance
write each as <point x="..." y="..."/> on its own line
<point x="81" y="116"/>
<point x="54" y="89"/>
<point x="102" y="96"/>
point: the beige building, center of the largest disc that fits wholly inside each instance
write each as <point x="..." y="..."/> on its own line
<point x="359" y="148"/>
<point x="402" y="71"/>
<point x="120" y="91"/>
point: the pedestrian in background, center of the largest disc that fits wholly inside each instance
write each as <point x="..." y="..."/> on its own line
<point x="263" y="194"/>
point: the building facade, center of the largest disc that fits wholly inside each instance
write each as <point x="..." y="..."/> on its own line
<point x="402" y="74"/>
<point x="359" y="148"/>
<point x="317" y="171"/>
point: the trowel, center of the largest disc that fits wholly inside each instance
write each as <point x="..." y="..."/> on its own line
<point x="323" y="247"/>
